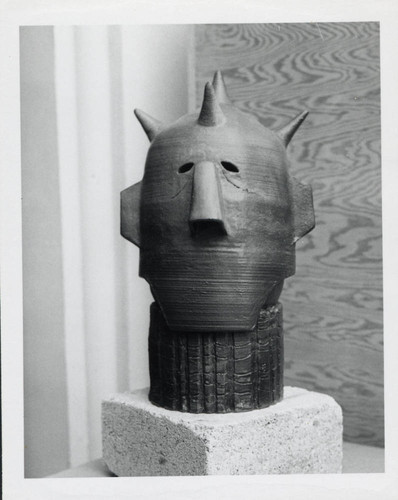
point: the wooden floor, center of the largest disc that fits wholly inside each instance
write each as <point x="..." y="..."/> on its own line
<point x="333" y="305"/>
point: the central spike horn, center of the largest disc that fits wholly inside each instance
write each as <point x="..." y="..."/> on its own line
<point x="287" y="132"/>
<point x="211" y="114"/>
<point x="150" y="125"/>
<point x="220" y="88"/>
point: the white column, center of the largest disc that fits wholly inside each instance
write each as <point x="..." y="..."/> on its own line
<point x="72" y="245"/>
<point x="100" y="220"/>
<point x="102" y="74"/>
<point x="90" y="224"/>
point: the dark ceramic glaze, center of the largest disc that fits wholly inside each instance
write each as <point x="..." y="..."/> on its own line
<point x="216" y="216"/>
<point x="216" y="372"/>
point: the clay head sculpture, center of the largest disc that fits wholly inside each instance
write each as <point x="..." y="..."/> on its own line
<point x="217" y="215"/>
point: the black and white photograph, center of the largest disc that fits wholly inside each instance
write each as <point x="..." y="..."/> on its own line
<point x="198" y="268"/>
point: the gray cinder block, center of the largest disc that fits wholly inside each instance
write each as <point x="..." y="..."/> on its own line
<point x="301" y="434"/>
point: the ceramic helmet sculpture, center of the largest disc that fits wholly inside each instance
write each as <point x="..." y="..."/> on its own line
<point x="217" y="215"/>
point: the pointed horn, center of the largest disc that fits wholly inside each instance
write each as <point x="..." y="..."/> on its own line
<point x="287" y="132"/>
<point x="211" y="113"/>
<point x="220" y="88"/>
<point x="150" y="125"/>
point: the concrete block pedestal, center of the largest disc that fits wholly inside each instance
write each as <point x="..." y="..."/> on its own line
<point x="301" y="434"/>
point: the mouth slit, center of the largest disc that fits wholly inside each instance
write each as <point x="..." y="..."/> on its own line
<point x="207" y="228"/>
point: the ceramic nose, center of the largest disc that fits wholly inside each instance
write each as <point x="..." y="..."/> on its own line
<point x="207" y="208"/>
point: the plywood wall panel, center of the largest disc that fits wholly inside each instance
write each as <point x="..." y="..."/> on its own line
<point x="333" y="305"/>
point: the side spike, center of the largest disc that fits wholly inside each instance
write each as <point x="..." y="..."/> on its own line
<point x="220" y="88"/>
<point x="287" y="132"/>
<point x="211" y="113"/>
<point x="150" y="125"/>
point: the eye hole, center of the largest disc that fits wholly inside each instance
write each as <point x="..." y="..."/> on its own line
<point x="229" y="166"/>
<point x="185" y="168"/>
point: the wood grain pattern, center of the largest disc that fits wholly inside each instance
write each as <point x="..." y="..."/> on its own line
<point x="333" y="305"/>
